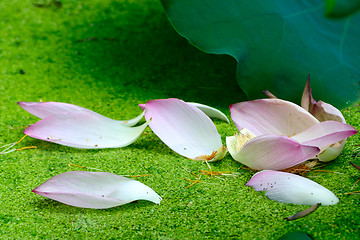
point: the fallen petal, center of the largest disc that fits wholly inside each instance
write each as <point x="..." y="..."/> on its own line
<point x="84" y="129"/>
<point x="46" y="109"/>
<point x="271" y="116"/>
<point x="95" y="190"/>
<point x="183" y="127"/>
<point x="291" y="188"/>
<point x="210" y="111"/>
<point x="270" y="152"/>
<point x="325" y="134"/>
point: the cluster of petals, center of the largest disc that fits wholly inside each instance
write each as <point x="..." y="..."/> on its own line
<point x="184" y="127"/>
<point x="275" y="134"/>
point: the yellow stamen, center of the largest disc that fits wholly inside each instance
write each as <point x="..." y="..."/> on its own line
<point x="355" y="192"/>
<point x="9" y="146"/>
<point x="21" y="139"/>
<point x="23" y="148"/>
<point x="243" y="137"/>
<point x="144" y="175"/>
<point x="214" y="156"/>
<point x="355" y="184"/>
<point x="73" y="165"/>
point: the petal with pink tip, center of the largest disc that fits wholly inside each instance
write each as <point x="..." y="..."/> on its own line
<point x="325" y="134"/>
<point x="46" y="109"/>
<point x="95" y="190"/>
<point x="291" y="188"/>
<point x="84" y="129"/>
<point x="183" y="127"/>
<point x="271" y="116"/>
<point x="270" y="152"/>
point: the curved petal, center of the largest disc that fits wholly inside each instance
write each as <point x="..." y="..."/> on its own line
<point x="270" y="152"/>
<point x="46" y="109"/>
<point x="84" y="129"/>
<point x="133" y="121"/>
<point x="325" y="134"/>
<point x="95" y="190"/>
<point x="291" y="188"/>
<point x="271" y="116"/>
<point x="325" y="112"/>
<point x="332" y="152"/>
<point x="210" y="111"/>
<point x="183" y="127"/>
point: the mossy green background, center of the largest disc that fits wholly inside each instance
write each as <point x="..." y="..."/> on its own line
<point x="109" y="56"/>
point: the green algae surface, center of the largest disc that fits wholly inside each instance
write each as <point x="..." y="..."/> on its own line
<point x="109" y="56"/>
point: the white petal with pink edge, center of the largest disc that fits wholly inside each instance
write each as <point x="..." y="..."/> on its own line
<point x="95" y="190"/>
<point x="183" y="127"/>
<point x="84" y="129"/>
<point x="291" y="188"/>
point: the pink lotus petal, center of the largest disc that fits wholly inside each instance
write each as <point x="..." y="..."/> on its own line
<point x="46" y="109"/>
<point x="307" y="100"/>
<point x="84" y="129"/>
<point x="95" y="190"/>
<point x="325" y="134"/>
<point x="325" y="112"/>
<point x="271" y="116"/>
<point x="183" y="127"/>
<point x="291" y="188"/>
<point x="270" y="152"/>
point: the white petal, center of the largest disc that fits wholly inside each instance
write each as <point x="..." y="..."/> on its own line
<point x="84" y="129"/>
<point x="95" y="190"/>
<point x="332" y="152"/>
<point x="291" y="188"/>
<point x="183" y="127"/>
